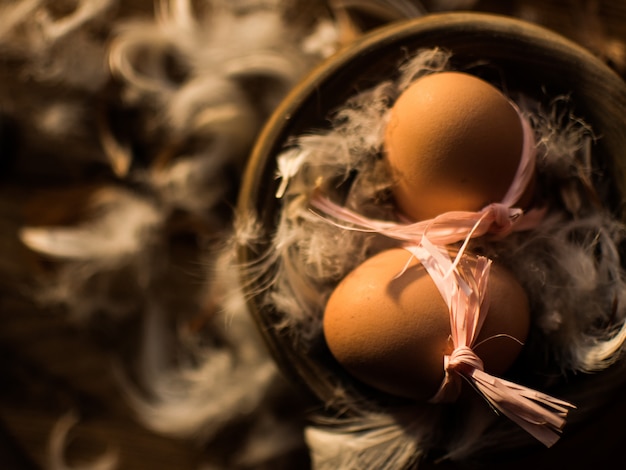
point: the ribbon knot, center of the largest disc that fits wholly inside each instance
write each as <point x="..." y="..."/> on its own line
<point x="462" y="359"/>
<point x="503" y="216"/>
<point x="461" y="363"/>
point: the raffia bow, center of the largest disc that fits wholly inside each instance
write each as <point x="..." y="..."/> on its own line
<point x="465" y="291"/>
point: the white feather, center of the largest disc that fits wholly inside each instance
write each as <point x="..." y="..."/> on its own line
<point x="323" y="41"/>
<point x="194" y="184"/>
<point x="201" y="401"/>
<point x="86" y="10"/>
<point x="58" y="443"/>
<point x="384" y="441"/>
<point x="57" y="49"/>
<point x="221" y="386"/>
<point x="217" y="107"/>
<point x="118" y="230"/>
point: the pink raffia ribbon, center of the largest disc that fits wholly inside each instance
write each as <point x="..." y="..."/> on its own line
<point x="464" y="287"/>
<point x="497" y="219"/>
<point x="465" y="291"/>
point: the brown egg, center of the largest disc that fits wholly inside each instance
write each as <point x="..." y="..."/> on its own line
<point x="392" y="332"/>
<point x="453" y="142"/>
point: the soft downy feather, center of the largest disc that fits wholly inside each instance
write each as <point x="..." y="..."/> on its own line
<point x="196" y="398"/>
<point x="385" y="440"/>
<point x="120" y="222"/>
<point x="119" y="240"/>
<point x="57" y="48"/>
<point x="57" y="54"/>
<point x="221" y="385"/>
<point x="109" y="460"/>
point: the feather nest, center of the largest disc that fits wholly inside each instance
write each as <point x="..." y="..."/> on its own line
<point x="570" y="266"/>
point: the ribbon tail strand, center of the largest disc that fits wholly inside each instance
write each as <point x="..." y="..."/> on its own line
<point x="541" y="415"/>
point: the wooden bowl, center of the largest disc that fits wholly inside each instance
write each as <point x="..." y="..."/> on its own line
<point x="533" y="60"/>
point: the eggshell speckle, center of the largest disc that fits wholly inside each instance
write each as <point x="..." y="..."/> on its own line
<point x="453" y="142"/>
<point x="392" y="332"/>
